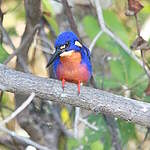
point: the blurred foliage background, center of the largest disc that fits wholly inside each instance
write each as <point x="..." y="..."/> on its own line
<point x="114" y="69"/>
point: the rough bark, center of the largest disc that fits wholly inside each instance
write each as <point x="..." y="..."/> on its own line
<point x="90" y="98"/>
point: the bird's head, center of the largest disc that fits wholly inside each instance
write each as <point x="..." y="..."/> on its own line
<point x="65" y="44"/>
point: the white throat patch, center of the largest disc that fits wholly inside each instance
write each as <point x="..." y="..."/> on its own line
<point x="68" y="53"/>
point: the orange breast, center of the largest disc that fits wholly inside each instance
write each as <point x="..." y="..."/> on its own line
<point x="74" y="58"/>
<point x="71" y="70"/>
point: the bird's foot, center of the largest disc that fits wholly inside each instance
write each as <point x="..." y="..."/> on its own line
<point x="63" y="84"/>
<point x="79" y="82"/>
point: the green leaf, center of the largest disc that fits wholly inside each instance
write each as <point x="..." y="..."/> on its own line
<point x="3" y="54"/>
<point x="72" y="144"/>
<point x="107" y="83"/>
<point x="146" y="9"/>
<point x="97" y="145"/>
<point x="114" y="23"/>
<point x="146" y="99"/>
<point x="12" y="31"/>
<point x="127" y="131"/>
<point x="102" y="134"/>
<point x="86" y="147"/>
<point x="51" y="19"/>
<point x="89" y="22"/>
<point x="117" y="70"/>
<point x="104" y="41"/>
<point x="7" y="100"/>
<point x="139" y="88"/>
<point x="132" y="69"/>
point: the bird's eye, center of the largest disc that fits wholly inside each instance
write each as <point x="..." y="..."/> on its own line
<point x="67" y="44"/>
<point x="64" y="46"/>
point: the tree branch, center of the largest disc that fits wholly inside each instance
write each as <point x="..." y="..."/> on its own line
<point x="70" y="17"/>
<point x="90" y="98"/>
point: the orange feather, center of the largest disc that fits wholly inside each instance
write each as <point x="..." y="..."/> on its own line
<point x="71" y="70"/>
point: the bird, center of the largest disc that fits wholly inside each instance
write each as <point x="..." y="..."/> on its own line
<point x="71" y="60"/>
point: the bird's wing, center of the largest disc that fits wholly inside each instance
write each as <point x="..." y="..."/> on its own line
<point x="87" y="51"/>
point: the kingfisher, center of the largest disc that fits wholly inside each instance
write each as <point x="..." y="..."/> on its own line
<point x="71" y="60"/>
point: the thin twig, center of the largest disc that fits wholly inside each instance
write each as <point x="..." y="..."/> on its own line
<point x="95" y="40"/>
<point x="58" y="120"/>
<point x="46" y="40"/>
<point x="44" y="49"/>
<point x="146" y="136"/>
<point x="18" y="110"/>
<point x="137" y="25"/>
<point x="23" y="44"/>
<point x="93" y="127"/>
<point x="6" y="107"/>
<point x="144" y="64"/>
<point x="76" y="121"/>
<point x="49" y="26"/>
<point x="100" y="15"/>
<point x="70" y="17"/>
<point x="23" y="139"/>
<point x="10" y="43"/>
<point x="6" y="36"/>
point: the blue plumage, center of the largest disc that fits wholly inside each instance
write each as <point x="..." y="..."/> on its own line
<point x="71" y="37"/>
<point x="71" y="60"/>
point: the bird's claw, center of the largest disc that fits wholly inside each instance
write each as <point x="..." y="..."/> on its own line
<point x="63" y="84"/>
<point x="79" y="87"/>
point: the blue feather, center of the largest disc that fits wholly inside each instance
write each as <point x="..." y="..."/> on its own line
<point x="70" y="37"/>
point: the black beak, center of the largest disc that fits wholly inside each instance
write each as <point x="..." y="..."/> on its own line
<point x="53" y="57"/>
